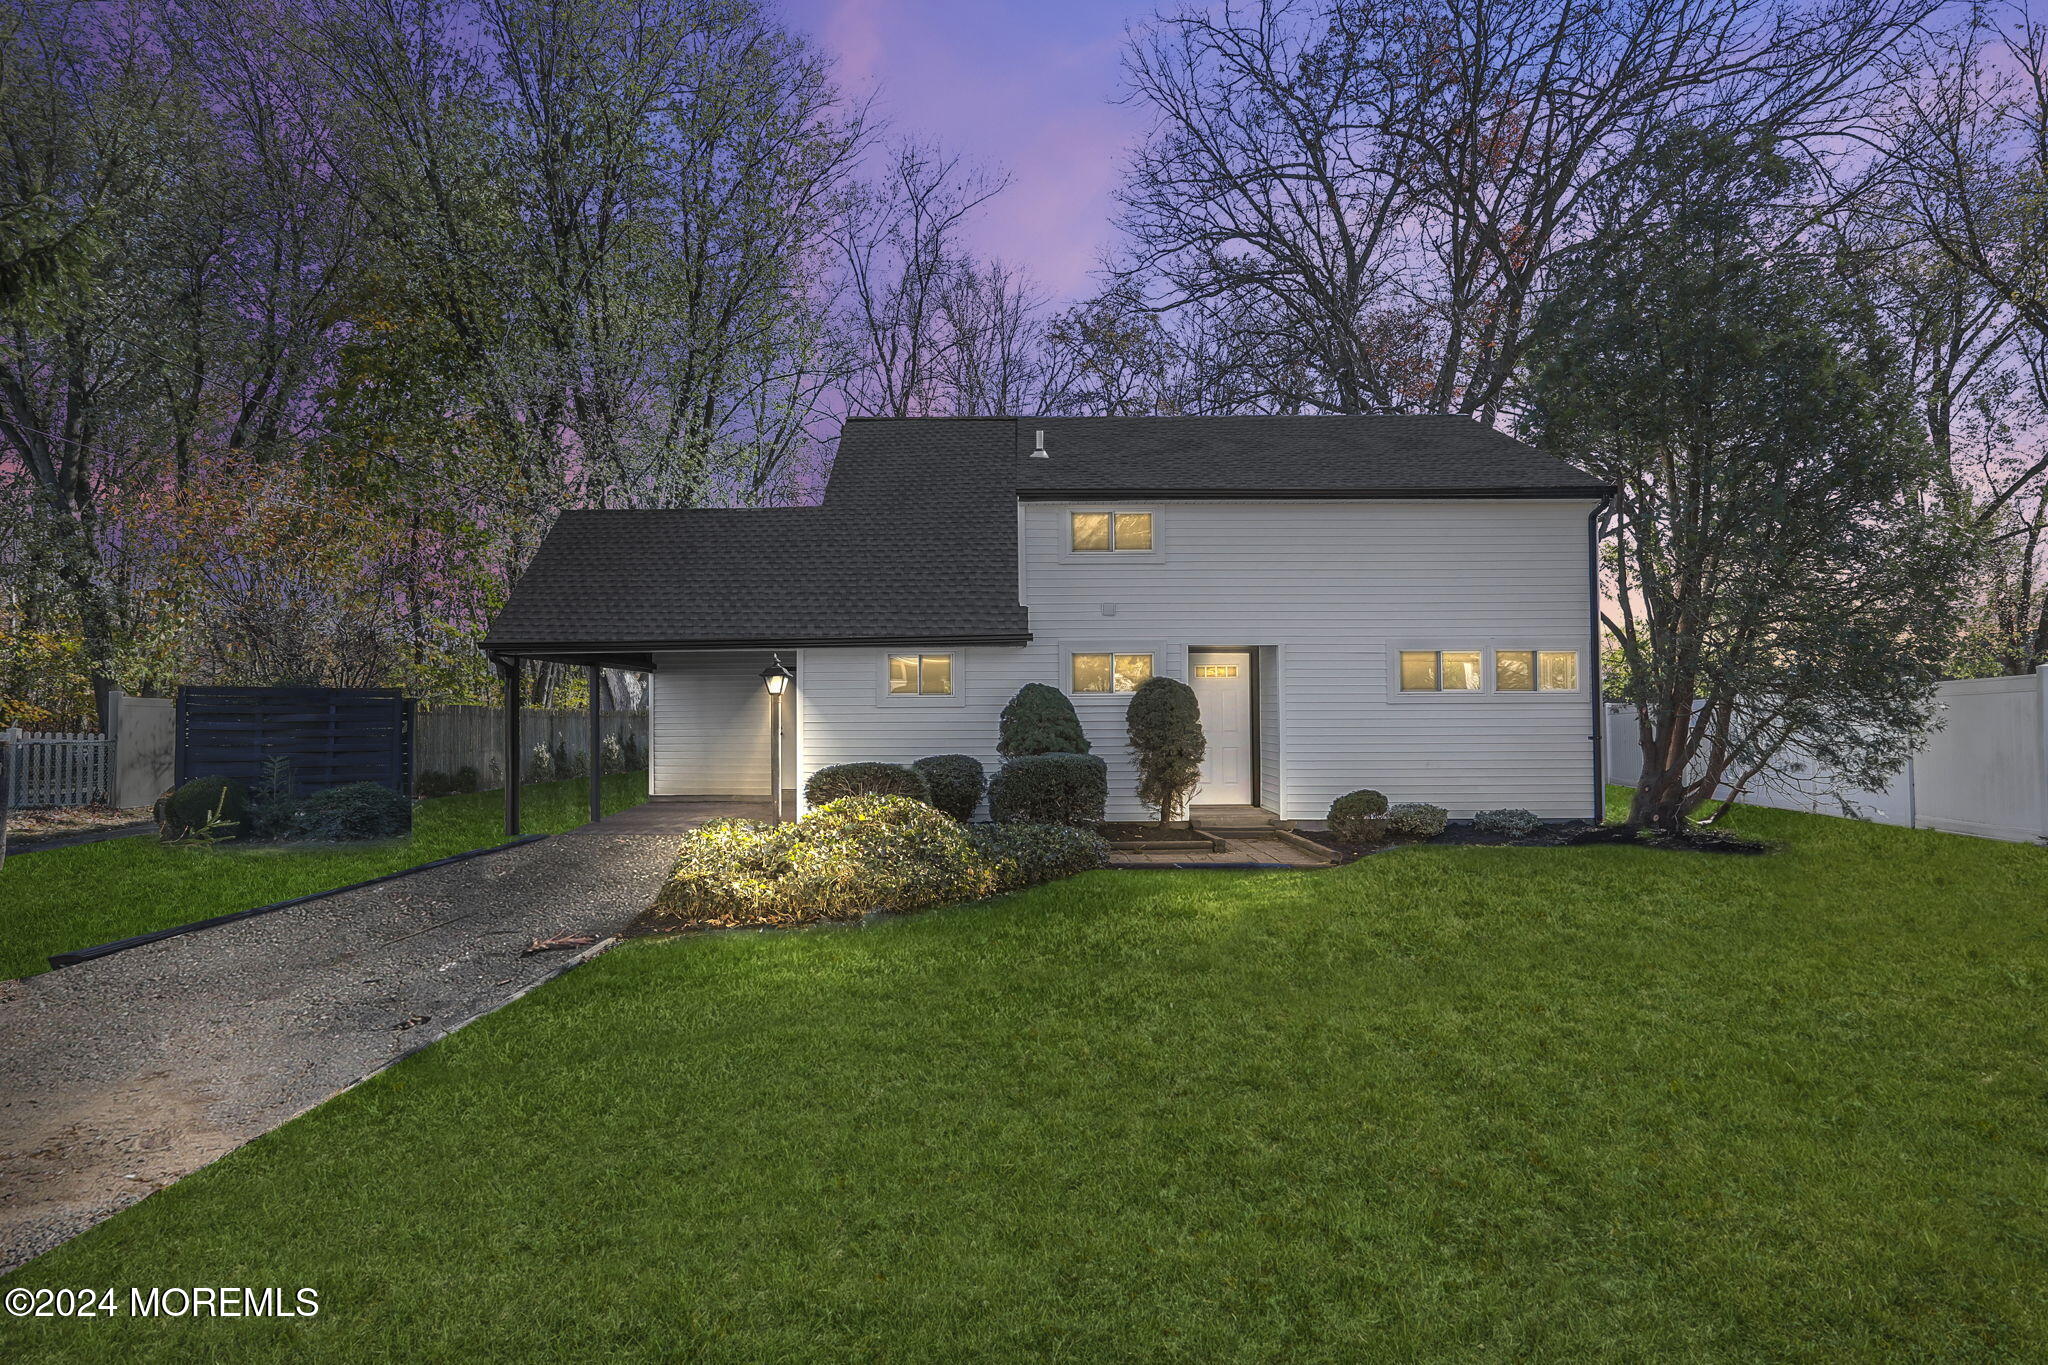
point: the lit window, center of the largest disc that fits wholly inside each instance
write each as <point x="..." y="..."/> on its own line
<point x="1111" y="672"/>
<point x="928" y="675"/>
<point x="1106" y="532"/>
<point x="1514" y="670"/>
<point x="1441" y="670"/>
<point x="1557" y="670"/>
<point x="1215" y="670"/>
<point x="1535" y="670"/>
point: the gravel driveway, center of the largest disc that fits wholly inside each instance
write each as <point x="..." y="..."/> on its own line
<point x="125" y="1073"/>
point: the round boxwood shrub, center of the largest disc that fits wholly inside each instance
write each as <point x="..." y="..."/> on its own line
<point x="1040" y="720"/>
<point x="1417" y="820"/>
<point x="358" y="810"/>
<point x="188" y="809"/>
<point x="1508" y="822"/>
<point x="842" y="780"/>
<point x="1053" y="789"/>
<point x="1359" y="817"/>
<point x="957" y="782"/>
<point x="1164" y="722"/>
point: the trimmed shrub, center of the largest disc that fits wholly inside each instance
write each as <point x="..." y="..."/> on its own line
<point x="1164" y="722"/>
<point x="1509" y="822"/>
<point x="359" y="810"/>
<point x="1417" y="820"/>
<point x="838" y="862"/>
<point x="1358" y="817"/>
<point x="466" y="778"/>
<point x="1052" y="789"/>
<point x="432" y="784"/>
<point x="1040" y="720"/>
<point x="842" y="780"/>
<point x="860" y="854"/>
<point x="958" y="783"/>
<point x="188" y="810"/>
<point x="1023" y="855"/>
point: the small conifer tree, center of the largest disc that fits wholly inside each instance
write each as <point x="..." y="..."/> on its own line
<point x="1165" y="724"/>
<point x="1040" y="720"/>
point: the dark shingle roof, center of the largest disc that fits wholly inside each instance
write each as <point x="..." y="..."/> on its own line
<point x="917" y="537"/>
<point x="1266" y="457"/>
<point x="917" y="540"/>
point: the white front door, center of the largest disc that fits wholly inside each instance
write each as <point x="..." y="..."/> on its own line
<point x="1223" y="687"/>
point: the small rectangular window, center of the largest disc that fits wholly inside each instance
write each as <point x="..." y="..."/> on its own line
<point x="1442" y="670"/>
<point x="926" y="675"/>
<point x="1558" y="670"/>
<point x="1111" y="672"/>
<point x="1215" y="670"/>
<point x="1418" y="670"/>
<point x="1514" y="670"/>
<point x="1108" y="532"/>
<point x="1462" y="670"/>
<point x="902" y="675"/>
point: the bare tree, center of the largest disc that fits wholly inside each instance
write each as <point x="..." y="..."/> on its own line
<point x="902" y="256"/>
<point x="1375" y="193"/>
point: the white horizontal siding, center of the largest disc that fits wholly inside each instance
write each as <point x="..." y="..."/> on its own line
<point x="708" y="716"/>
<point x="1326" y="591"/>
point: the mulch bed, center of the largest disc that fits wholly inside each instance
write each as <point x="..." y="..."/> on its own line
<point x="1461" y="832"/>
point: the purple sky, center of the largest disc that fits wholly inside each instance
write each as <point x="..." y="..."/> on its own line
<point x="1026" y="87"/>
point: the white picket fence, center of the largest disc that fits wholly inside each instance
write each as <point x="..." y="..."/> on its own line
<point x="56" y="770"/>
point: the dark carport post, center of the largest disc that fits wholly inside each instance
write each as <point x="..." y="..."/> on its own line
<point x="595" y="675"/>
<point x="508" y="669"/>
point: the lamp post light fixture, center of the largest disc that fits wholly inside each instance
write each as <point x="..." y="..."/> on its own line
<point x="776" y="678"/>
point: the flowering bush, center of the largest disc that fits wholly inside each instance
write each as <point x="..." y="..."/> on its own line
<point x="855" y="855"/>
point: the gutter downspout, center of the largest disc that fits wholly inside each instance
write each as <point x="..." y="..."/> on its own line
<point x="1594" y="520"/>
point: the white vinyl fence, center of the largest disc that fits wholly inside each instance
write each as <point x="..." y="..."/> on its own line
<point x="56" y="770"/>
<point x="1983" y="771"/>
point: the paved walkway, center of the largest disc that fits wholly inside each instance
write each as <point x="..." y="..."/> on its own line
<point x="1238" y="850"/>
<point x="125" y="1073"/>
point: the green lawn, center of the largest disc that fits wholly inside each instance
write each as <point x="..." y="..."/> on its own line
<point x="1446" y="1103"/>
<point x="70" y="898"/>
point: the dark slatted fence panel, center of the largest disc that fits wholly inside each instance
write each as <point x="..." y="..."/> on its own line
<point x="333" y="735"/>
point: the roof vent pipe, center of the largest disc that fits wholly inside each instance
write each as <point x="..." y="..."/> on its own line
<point x="1038" y="451"/>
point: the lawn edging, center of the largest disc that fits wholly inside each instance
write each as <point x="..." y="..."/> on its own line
<point x="122" y="945"/>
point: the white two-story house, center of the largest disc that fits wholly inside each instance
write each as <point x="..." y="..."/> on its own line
<point x="1402" y="603"/>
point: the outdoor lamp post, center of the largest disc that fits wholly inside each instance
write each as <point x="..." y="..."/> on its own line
<point x="776" y="676"/>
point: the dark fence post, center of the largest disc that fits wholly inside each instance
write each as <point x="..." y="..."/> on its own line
<point x="509" y="669"/>
<point x="595" y="675"/>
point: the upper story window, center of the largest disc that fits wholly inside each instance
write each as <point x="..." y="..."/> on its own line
<point x="1110" y="532"/>
<point x="920" y="675"/>
<point x="1442" y="670"/>
<point x="1111" y="672"/>
<point x="1536" y="670"/>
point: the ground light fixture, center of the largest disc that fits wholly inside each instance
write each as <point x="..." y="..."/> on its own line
<point x="775" y="677"/>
